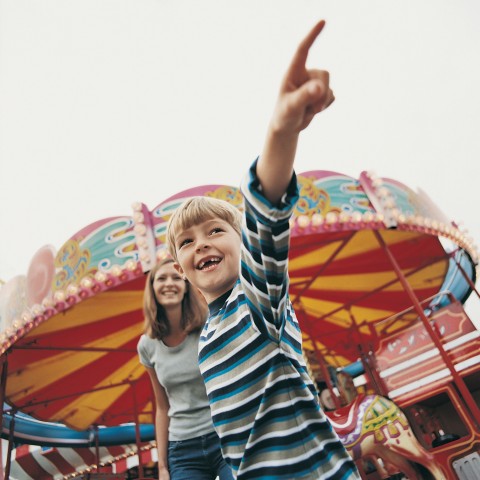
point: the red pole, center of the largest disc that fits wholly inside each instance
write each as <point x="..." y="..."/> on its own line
<point x="97" y="447"/>
<point x="323" y="367"/>
<point x="368" y="358"/>
<point x="467" y="397"/>
<point x="10" y="446"/>
<point x="322" y="268"/>
<point x="6" y="474"/>
<point x="371" y="362"/>
<point x="137" y="432"/>
<point x="326" y="374"/>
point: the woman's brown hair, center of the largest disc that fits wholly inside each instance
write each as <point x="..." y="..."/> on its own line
<point x="156" y="325"/>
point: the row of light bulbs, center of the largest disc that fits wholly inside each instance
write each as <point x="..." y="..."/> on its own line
<point x="335" y="222"/>
<point x="356" y="220"/>
<point x="93" y="468"/>
<point x="62" y="299"/>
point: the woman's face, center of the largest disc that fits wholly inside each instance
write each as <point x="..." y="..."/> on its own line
<point x="168" y="286"/>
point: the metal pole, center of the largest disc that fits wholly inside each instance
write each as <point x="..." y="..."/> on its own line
<point x="370" y="365"/>
<point x="323" y="367"/>
<point x="367" y="357"/>
<point x="322" y="268"/>
<point x="137" y="431"/>
<point x="370" y="293"/>
<point x="326" y="375"/>
<point x="2" y="399"/>
<point x="97" y="447"/>
<point x="10" y="446"/>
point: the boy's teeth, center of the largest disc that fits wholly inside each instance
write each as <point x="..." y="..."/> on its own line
<point x="211" y="260"/>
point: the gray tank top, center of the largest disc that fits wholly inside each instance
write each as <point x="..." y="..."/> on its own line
<point x="177" y="371"/>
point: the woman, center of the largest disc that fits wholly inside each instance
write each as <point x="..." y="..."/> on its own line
<point x="188" y="447"/>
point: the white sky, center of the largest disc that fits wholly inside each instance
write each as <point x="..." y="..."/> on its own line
<point x="108" y="102"/>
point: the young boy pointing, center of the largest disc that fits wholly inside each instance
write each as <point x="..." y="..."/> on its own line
<point x="264" y="405"/>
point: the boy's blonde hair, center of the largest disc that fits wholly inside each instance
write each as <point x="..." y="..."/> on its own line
<point x="196" y="210"/>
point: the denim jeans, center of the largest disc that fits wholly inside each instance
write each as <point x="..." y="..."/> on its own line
<point x="198" y="458"/>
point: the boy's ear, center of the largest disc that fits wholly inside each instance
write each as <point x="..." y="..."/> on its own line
<point x="178" y="268"/>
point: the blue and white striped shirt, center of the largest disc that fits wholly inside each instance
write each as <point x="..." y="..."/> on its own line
<point x="264" y="405"/>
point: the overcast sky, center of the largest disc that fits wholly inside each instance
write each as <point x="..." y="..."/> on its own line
<point x="107" y="102"/>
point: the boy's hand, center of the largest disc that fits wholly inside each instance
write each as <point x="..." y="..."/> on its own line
<point x="303" y="92"/>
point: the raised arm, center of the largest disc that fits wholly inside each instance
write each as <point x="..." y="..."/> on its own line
<point x="303" y="94"/>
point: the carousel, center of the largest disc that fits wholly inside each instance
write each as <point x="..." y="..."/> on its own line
<point x="378" y="279"/>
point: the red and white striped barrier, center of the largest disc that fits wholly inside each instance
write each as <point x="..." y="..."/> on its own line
<point x="37" y="463"/>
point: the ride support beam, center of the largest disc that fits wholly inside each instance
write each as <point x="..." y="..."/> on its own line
<point x="384" y="286"/>
<point x="325" y="372"/>
<point x="137" y="431"/>
<point x="97" y="447"/>
<point x="5" y="474"/>
<point x="368" y="360"/>
<point x="458" y="380"/>
<point x="74" y="394"/>
<point x="10" y="446"/>
<point x="329" y="260"/>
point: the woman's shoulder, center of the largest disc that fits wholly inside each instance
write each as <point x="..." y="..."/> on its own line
<point x="145" y="342"/>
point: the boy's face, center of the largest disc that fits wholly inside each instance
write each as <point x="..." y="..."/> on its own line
<point x="209" y="255"/>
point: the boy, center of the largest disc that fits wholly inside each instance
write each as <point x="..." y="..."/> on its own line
<point x="264" y="405"/>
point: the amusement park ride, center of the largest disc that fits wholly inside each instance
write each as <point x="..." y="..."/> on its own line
<point x="378" y="279"/>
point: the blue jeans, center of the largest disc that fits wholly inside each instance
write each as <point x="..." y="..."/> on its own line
<point x="198" y="458"/>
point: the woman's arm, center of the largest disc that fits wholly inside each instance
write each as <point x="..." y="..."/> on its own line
<point x="161" y="424"/>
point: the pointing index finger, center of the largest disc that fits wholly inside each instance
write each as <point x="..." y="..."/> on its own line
<point x="299" y="60"/>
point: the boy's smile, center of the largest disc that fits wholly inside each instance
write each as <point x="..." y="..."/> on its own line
<point x="209" y="255"/>
<point x="208" y="263"/>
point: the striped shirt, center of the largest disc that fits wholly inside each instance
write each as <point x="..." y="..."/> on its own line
<point x="263" y="402"/>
